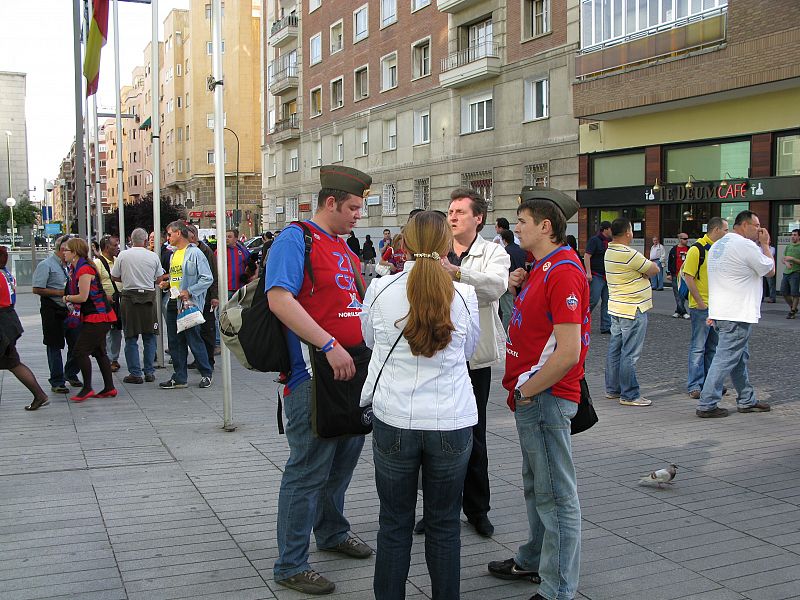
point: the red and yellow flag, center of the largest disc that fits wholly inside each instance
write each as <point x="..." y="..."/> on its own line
<point x="98" y="34"/>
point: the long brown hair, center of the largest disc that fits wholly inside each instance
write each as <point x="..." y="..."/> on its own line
<point x="430" y="289"/>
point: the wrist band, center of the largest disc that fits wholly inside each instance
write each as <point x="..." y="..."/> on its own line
<point x="329" y="346"/>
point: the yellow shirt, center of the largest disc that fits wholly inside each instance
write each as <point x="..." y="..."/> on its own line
<point x="628" y="282"/>
<point x="176" y="268"/>
<point x="105" y="278"/>
<point x="700" y="275"/>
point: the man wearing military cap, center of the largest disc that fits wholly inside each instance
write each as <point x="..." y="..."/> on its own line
<point x="325" y="314"/>
<point x="547" y="343"/>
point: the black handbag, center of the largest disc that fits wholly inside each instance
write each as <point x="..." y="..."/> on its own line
<point x="586" y="416"/>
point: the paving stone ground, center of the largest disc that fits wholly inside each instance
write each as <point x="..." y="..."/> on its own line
<point x="144" y="497"/>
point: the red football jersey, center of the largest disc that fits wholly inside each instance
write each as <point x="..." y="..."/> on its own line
<point x="555" y="292"/>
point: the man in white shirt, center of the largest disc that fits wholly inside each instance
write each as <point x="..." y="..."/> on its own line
<point x="736" y="264"/>
<point x="658" y="256"/>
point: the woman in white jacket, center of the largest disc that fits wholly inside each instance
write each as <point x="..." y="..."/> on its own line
<point x="422" y="327"/>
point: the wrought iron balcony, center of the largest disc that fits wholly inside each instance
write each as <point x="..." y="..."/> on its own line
<point x="471" y="64"/>
<point x="283" y="31"/>
<point x="286" y="129"/>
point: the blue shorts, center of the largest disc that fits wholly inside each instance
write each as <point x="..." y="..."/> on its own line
<point x="790" y="286"/>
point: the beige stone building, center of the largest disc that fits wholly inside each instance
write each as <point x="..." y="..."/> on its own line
<point x="425" y="95"/>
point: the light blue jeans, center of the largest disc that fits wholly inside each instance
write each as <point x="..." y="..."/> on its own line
<point x="132" y="354"/>
<point x="113" y="344"/>
<point x="624" y="350"/>
<point x="733" y="354"/>
<point x="702" y="348"/>
<point x="313" y="486"/>
<point x="598" y="292"/>
<point x="551" y="495"/>
<point x="657" y="280"/>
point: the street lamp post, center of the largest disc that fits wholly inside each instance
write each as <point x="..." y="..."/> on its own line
<point x="157" y="249"/>
<point x="236" y="214"/>
<point x="10" y="203"/>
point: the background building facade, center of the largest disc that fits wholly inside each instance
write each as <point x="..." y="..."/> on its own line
<point x="423" y="95"/>
<point x="13" y="136"/>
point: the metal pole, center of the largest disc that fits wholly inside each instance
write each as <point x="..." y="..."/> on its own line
<point x="88" y="183"/>
<point x="219" y="187"/>
<point x="155" y="175"/>
<point x="8" y="162"/>
<point x="120" y="174"/>
<point x="97" y="192"/>
<point x="80" y="189"/>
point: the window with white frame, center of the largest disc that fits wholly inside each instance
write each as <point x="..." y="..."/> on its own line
<point x="210" y="47"/>
<point x="417" y="4"/>
<point x="389" y="72"/>
<point x="314" y="5"/>
<point x="337" y="36"/>
<point x="390" y="127"/>
<point x="316" y="102"/>
<point x="362" y="136"/>
<point x="338" y="144"/>
<point x="608" y="20"/>
<point x="481" y="39"/>
<point x="389" y="198"/>
<point x="337" y="93"/>
<point x="293" y="162"/>
<point x="187" y="133"/>
<point x="421" y="58"/>
<point x="481" y="182"/>
<point x="537" y="174"/>
<point x="422" y="193"/>
<point x="188" y="169"/>
<point x="179" y="101"/>
<point x="317" y="153"/>
<point x="210" y="157"/>
<point x="180" y="166"/>
<point x="179" y="131"/>
<point x="536" y="99"/>
<point x="477" y="113"/>
<point x="292" y="209"/>
<point x="179" y="69"/>
<point x="388" y="12"/>
<point x="210" y="121"/>
<point x="360" y="23"/>
<point x="361" y="83"/>
<point x="315" y="49"/>
<point x="186" y="104"/>
<point x="422" y="126"/>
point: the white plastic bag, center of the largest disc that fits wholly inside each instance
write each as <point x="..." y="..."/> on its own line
<point x="189" y="316"/>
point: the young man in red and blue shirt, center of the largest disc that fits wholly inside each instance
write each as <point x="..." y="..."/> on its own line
<point x="548" y="338"/>
<point x="324" y="312"/>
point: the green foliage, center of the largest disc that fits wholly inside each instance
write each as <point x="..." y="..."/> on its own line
<point x="25" y="213"/>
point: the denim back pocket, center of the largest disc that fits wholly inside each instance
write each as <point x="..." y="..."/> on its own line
<point x="456" y="442"/>
<point x="386" y="439"/>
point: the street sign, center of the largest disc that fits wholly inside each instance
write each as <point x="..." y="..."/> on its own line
<point x="52" y="228"/>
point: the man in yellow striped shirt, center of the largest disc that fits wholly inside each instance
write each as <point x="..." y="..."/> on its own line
<point x="629" y="298"/>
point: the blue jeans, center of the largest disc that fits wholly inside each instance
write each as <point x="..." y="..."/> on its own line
<point x="733" y="354"/>
<point x="598" y="290"/>
<point x="399" y="454"/>
<point x="657" y="280"/>
<point x="701" y="349"/>
<point x="113" y="344"/>
<point x="313" y="485"/>
<point x="551" y="495"/>
<point x="624" y="350"/>
<point x="132" y="354"/>
<point x="60" y="371"/>
<point x="680" y="303"/>
<point x="179" y="344"/>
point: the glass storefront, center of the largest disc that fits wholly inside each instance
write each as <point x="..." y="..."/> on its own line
<point x="620" y="170"/>
<point x="634" y="213"/>
<point x="787" y="155"/>
<point x="788" y="220"/>
<point x="693" y="218"/>
<point x="712" y="162"/>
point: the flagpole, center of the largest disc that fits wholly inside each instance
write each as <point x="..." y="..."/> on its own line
<point x="88" y="183"/>
<point x="156" y="141"/>
<point x="98" y="196"/>
<point x="219" y="188"/>
<point x="79" y="194"/>
<point x="120" y="174"/>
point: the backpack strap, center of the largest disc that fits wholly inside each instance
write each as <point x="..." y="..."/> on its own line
<point x="701" y="249"/>
<point x="308" y="239"/>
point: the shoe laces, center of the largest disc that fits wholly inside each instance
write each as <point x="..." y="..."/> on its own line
<point x="312" y="575"/>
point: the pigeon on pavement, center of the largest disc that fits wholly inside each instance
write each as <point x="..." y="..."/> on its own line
<point x="660" y="476"/>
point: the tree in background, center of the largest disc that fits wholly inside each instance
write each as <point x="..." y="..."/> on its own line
<point x="25" y="212"/>
<point x="140" y="214"/>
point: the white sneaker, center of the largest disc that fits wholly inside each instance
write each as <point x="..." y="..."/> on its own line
<point x="675" y="315"/>
<point x="640" y="401"/>
<point x="686" y="316"/>
<point x="205" y="382"/>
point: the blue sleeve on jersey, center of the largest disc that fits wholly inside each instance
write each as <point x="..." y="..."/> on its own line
<point x="285" y="261"/>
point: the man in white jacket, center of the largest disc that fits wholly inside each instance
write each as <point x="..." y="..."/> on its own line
<point x="483" y="265"/>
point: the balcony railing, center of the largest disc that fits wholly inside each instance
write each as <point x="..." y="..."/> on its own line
<point x="470" y="55"/>
<point x="291" y="122"/>
<point x="287" y="21"/>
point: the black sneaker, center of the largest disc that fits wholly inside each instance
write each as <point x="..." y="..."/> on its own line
<point x="132" y="379"/>
<point x="308" y="582"/>
<point x="149" y="377"/>
<point x="75" y="382"/>
<point x="351" y="547"/>
<point x="482" y="525"/>
<point x="508" y="569"/>
<point x="757" y="407"/>
<point x="714" y="413"/>
<point x="171" y="384"/>
<point x="205" y="382"/>
<point x="60" y="389"/>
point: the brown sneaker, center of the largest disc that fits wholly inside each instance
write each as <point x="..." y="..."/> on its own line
<point x="308" y="582"/>
<point x="351" y="547"/>
<point x="694" y="394"/>
<point x="715" y="413"/>
<point x="757" y="407"/>
<point x="114" y="366"/>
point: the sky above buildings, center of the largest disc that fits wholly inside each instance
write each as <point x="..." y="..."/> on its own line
<point x="37" y="40"/>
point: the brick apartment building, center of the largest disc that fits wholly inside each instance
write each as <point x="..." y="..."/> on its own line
<point x="424" y="95"/>
<point x="689" y="109"/>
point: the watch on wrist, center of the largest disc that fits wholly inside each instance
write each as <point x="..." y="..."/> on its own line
<point x="519" y="398"/>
